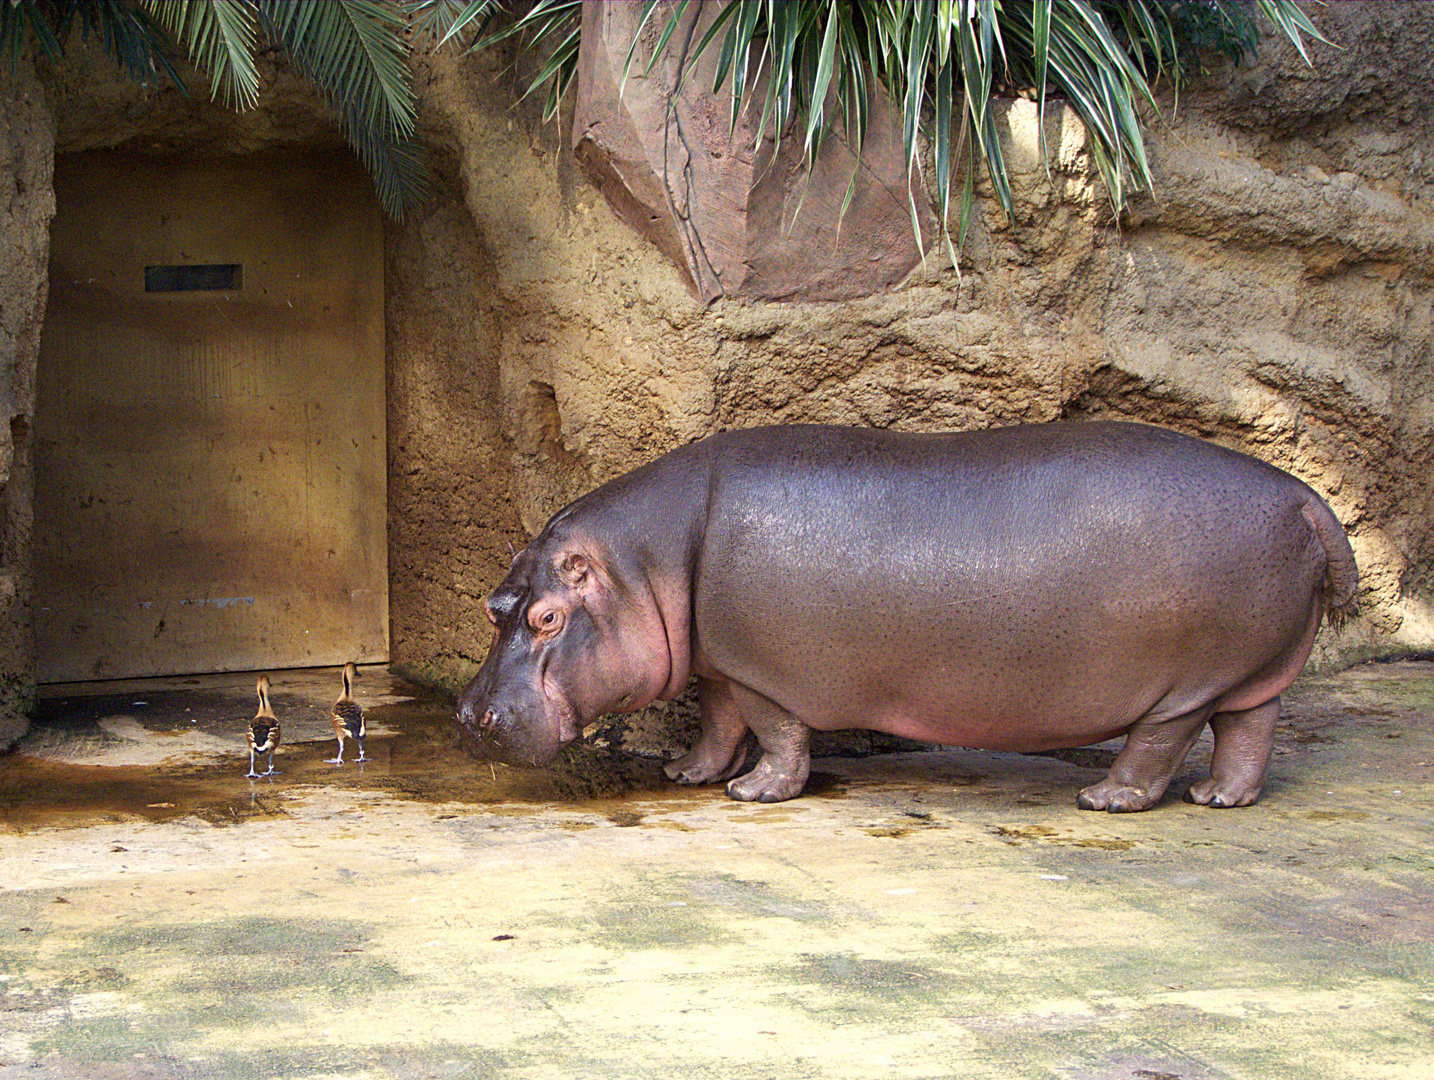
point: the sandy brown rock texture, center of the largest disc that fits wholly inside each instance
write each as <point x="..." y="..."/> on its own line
<point x="1273" y="295"/>
<point x="27" y="202"/>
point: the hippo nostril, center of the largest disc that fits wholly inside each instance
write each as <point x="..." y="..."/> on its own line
<point x="489" y="719"/>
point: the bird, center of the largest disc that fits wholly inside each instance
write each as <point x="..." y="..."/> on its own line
<point x="263" y="730"/>
<point x="347" y="716"/>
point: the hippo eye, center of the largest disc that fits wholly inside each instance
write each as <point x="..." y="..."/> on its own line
<point x="547" y="621"/>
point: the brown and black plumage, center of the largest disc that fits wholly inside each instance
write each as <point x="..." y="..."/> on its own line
<point x="263" y="732"/>
<point x="347" y="716"/>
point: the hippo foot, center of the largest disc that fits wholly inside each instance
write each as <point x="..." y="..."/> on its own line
<point x="1117" y="798"/>
<point x="1212" y="792"/>
<point x="706" y="765"/>
<point x="767" y="784"/>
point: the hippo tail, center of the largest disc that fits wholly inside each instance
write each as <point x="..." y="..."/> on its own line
<point x="1341" y="574"/>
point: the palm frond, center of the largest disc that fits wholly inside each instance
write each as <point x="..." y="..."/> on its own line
<point x="440" y="20"/>
<point x="1292" y="21"/>
<point x="23" y="23"/>
<point x="944" y="60"/>
<point x="356" y="52"/>
<point x="219" y="35"/>
<point x="129" y="35"/>
<point x="398" y="167"/>
<point x="554" y="25"/>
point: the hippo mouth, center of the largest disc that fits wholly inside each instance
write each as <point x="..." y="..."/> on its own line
<point x="530" y="738"/>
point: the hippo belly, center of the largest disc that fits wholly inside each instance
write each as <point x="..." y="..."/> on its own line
<point x="1019" y="589"/>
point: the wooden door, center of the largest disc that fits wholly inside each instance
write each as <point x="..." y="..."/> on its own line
<point x="210" y="472"/>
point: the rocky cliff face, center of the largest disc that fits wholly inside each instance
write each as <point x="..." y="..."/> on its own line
<point x="1274" y="295"/>
<point x="27" y="202"/>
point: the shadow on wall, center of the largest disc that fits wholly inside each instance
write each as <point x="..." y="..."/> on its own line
<point x="549" y="474"/>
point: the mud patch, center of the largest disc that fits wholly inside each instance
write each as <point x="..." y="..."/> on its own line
<point x="1019" y="834"/>
<point x="915" y="821"/>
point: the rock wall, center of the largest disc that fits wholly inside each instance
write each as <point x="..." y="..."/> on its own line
<point x="27" y="202"/>
<point x="739" y="215"/>
<point x="450" y="479"/>
<point x="1274" y="296"/>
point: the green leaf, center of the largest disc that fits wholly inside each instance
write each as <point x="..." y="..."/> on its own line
<point x="219" y="35"/>
<point x="356" y="52"/>
<point x="24" y="22"/>
<point x="1101" y="56"/>
<point x="444" y="20"/>
<point x="822" y="81"/>
<point x="1040" y="57"/>
<point x="1291" y="19"/>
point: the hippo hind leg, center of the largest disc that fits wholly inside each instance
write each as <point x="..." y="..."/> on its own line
<point x="786" y="755"/>
<point x="1153" y="752"/>
<point x="724" y="745"/>
<point x="1243" y="742"/>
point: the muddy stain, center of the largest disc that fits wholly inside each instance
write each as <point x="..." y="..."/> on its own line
<point x="1024" y="832"/>
<point x="916" y="821"/>
<point x="1017" y="834"/>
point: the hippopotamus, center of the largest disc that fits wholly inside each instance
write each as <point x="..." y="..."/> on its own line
<point x="1023" y="589"/>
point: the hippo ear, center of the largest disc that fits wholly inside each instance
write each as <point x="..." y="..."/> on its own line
<point x="574" y="569"/>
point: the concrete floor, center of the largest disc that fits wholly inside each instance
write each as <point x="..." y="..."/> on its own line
<point x="937" y="914"/>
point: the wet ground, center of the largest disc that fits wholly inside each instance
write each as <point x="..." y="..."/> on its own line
<point x="944" y="913"/>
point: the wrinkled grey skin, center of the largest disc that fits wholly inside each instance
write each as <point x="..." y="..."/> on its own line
<point x="1023" y="589"/>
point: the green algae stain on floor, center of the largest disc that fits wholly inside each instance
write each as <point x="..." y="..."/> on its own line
<point x="688" y="911"/>
<point x="180" y="984"/>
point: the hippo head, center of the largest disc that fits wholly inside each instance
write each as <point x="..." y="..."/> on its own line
<point x="577" y="634"/>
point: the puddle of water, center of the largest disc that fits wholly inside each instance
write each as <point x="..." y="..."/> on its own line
<point x="421" y="757"/>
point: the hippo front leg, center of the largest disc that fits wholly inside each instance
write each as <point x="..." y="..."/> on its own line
<point x="722" y="750"/>
<point x="786" y="756"/>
